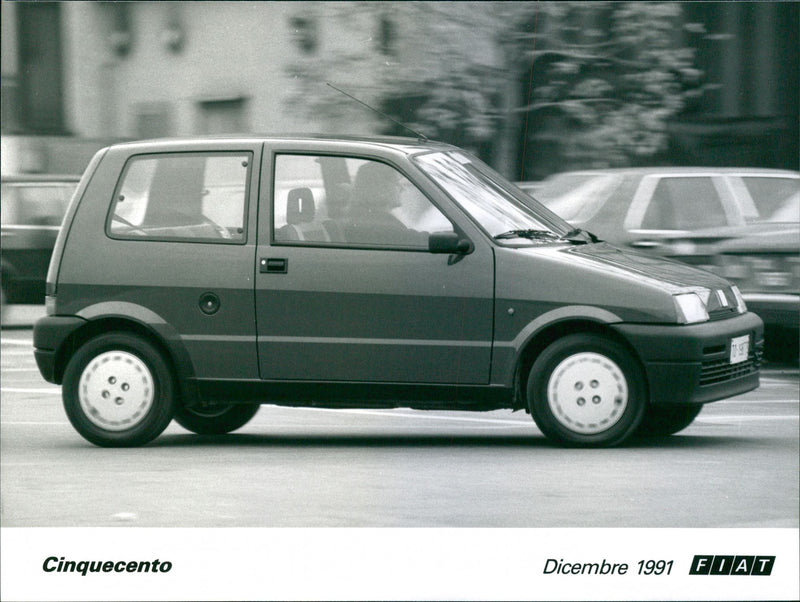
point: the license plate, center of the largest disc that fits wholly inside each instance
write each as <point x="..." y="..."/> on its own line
<point x="740" y="347"/>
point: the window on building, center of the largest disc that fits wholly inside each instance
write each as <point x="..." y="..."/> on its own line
<point x="387" y="35"/>
<point x="153" y="120"/>
<point x="40" y="94"/>
<point x="305" y="34"/>
<point x="222" y="116"/>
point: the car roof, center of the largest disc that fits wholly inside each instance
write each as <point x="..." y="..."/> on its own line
<point x="31" y="178"/>
<point x="407" y="145"/>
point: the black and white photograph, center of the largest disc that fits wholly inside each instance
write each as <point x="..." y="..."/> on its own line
<point x="388" y="300"/>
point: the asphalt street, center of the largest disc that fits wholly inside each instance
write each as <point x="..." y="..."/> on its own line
<point x="735" y="466"/>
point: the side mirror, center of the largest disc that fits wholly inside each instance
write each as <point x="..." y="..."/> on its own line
<point x="448" y="243"/>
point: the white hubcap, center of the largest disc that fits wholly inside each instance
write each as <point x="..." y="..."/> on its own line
<point x="116" y="390"/>
<point x="587" y="393"/>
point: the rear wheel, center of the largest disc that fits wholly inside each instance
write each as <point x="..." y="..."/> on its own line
<point x="118" y="391"/>
<point x="663" y="420"/>
<point x="215" y="419"/>
<point x="587" y="390"/>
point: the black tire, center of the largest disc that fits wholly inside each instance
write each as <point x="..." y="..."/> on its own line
<point x="664" y="420"/>
<point x="118" y="391"/>
<point x="216" y="419"/>
<point x="586" y="390"/>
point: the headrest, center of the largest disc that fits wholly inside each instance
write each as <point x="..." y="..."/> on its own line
<point x="300" y="206"/>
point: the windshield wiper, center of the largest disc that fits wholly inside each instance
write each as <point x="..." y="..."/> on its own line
<point x="530" y="234"/>
<point x="580" y="236"/>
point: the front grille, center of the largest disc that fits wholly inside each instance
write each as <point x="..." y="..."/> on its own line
<point x="714" y="372"/>
<point x="722" y="314"/>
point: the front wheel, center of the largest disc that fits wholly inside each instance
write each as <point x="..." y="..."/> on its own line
<point x="586" y="390"/>
<point x="215" y="419"/>
<point x="118" y="391"/>
<point x="663" y="420"/>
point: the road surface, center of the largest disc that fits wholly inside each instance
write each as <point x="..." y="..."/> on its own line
<point x="736" y="466"/>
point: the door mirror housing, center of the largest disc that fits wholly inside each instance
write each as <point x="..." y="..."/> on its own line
<point x="448" y="243"/>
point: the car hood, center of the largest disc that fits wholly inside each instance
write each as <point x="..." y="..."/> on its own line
<point x="648" y="269"/>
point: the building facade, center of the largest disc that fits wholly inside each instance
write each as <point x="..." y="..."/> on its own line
<point x="76" y="75"/>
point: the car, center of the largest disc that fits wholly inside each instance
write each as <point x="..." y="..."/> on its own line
<point x="712" y="218"/>
<point x="32" y="206"/>
<point x="195" y="279"/>
<point x="764" y="262"/>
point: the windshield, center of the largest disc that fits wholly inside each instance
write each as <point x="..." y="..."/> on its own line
<point x="492" y="202"/>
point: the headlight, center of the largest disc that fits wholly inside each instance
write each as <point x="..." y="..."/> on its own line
<point x="690" y="308"/>
<point x="741" y="307"/>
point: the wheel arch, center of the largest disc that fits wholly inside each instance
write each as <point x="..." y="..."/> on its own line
<point x="553" y="331"/>
<point x="159" y="336"/>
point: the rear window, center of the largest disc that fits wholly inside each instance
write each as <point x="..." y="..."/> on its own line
<point x="577" y="197"/>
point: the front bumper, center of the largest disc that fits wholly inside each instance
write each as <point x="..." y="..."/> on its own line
<point x="690" y="363"/>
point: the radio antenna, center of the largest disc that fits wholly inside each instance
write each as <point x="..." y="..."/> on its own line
<point x="421" y="137"/>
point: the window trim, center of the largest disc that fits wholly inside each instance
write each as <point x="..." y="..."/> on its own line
<point x="179" y="239"/>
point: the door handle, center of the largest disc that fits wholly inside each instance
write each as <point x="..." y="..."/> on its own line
<point x="274" y="265"/>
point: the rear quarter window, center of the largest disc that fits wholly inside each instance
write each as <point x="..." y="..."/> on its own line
<point x="194" y="197"/>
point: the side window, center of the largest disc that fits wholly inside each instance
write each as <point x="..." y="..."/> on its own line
<point x="774" y="199"/>
<point x="348" y="201"/>
<point x="684" y="204"/>
<point x="35" y="205"/>
<point x="192" y="196"/>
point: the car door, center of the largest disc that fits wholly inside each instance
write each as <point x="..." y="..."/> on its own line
<point x="179" y="224"/>
<point x="346" y="289"/>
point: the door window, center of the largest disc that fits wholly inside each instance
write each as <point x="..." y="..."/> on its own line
<point x="190" y="196"/>
<point x="350" y="202"/>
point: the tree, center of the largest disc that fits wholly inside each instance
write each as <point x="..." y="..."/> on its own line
<point x="531" y="86"/>
<point x="606" y="77"/>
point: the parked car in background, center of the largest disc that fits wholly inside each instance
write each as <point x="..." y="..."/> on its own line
<point x="764" y="261"/>
<point x="32" y="209"/>
<point x="743" y="224"/>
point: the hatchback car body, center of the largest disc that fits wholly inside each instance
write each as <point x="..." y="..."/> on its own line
<point x="365" y="273"/>
<point x="32" y="209"/>
<point x="706" y="217"/>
